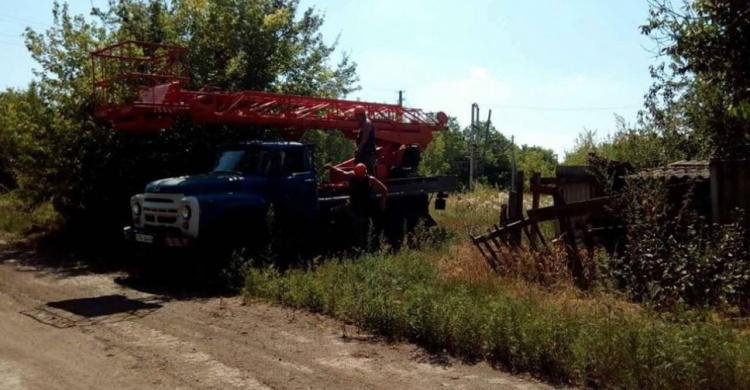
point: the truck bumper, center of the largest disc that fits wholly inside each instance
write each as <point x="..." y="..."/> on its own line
<point x="157" y="239"/>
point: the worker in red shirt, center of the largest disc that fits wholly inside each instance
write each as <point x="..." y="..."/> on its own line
<point x="365" y="152"/>
<point x="360" y="188"/>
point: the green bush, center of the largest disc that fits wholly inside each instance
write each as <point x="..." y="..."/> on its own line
<point x="601" y="344"/>
<point x="674" y="256"/>
<point x="16" y="217"/>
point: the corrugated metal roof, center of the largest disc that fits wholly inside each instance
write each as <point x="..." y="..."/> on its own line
<point x="573" y="170"/>
<point x="681" y="170"/>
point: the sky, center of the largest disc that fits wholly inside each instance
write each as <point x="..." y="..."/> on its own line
<point x="548" y="69"/>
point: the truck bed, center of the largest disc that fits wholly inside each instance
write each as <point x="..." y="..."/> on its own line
<point x="401" y="187"/>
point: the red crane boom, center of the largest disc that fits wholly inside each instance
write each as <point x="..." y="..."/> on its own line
<point x="142" y="87"/>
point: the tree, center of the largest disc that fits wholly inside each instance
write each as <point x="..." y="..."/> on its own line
<point x="330" y="147"/>
<point x="8" y="143"/>
<point x="585" y="143"/>
<point x="532" y="159"/>
<point x="269" y="45"/>
<point x="643" y="147"/>
<point x="25" y="141"/>
<point x="496" y="164"/>
<point x="700" y="99"/>
<point x="449" y="153"/>
<point x="446" y="152"/>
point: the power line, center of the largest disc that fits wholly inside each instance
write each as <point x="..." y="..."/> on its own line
<point x="378" y="89"/>
<point x="11" y="35"/>
<point x="14" y="22"/>
<point x="18" y="20"/>
<point x="532" y="108"/>
<point x="11" y="44"/>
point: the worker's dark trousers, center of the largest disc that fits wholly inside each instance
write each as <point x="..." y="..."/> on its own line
<point x="361" y="225"/>
<point x="367" y="158"/>
<point x="362" y="231"/>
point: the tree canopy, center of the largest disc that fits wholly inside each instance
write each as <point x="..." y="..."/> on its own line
<point x="700" y="99"/>
<point x="449" y="154"/>
<point x="52" y="148"/>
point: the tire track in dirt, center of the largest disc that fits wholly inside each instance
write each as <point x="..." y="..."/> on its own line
<point x="204" y="343"/>
<point x="10" y="377"/>
<point x="185" y="357"/>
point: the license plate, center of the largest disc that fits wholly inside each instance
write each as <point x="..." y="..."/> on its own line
<point x="147" y="238"/>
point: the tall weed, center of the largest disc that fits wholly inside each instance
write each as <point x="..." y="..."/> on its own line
<point x="601" y="343"/>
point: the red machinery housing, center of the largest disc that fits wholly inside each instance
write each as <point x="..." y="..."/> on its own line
<point x="144" y="87"/>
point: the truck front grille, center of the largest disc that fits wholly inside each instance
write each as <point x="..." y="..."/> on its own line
<point x="169" y="220"/>
<point x="158" y="200"/>
<point x="161" y="209"/>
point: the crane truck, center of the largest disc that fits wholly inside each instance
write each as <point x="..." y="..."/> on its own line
<point x="144" y="87"/>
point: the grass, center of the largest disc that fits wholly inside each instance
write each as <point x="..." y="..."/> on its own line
<point x="530" y="319"/>
<point x="470" y="212"/>
<point x="17" y="218"/>
<point x="602" y="342"/>
<point x="445" y="297"/>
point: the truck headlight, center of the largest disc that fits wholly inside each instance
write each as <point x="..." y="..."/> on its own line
<point x="186" y="212"/>
<point x="136" y="209"/>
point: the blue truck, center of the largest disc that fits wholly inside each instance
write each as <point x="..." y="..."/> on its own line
<point x="254" y="181"/>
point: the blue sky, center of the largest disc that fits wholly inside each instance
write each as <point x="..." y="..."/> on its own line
<point x="548" y="69"/>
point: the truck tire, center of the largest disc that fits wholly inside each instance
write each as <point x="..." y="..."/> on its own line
<point x="232" y="240"/>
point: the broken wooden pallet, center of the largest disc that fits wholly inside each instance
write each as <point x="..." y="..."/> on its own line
<point x="500" y="243"/>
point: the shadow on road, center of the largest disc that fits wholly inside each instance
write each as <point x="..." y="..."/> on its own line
<point x="105" y="309"/>
<point x="54" y="255"/>
<point x="176" y="288"/>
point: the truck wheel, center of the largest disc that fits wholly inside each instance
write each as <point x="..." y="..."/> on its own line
<point x="230" y="244"/>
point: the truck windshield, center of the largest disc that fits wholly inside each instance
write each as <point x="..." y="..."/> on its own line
<point x="248" y="161"/>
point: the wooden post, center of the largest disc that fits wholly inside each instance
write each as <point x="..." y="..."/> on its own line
<point x="512" y="200"/>
<point x="515" y="200"/>
<point x="534" y="183"/>
<point x="515" y="204"/>
<point x="504" y="214"/>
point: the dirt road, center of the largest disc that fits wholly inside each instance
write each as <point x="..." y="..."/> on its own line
<point x="81" y="330"/>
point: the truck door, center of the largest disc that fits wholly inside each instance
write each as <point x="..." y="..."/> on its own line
<point x="297" y="189"/>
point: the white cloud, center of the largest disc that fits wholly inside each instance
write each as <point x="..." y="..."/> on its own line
<point x="455" y="97"/>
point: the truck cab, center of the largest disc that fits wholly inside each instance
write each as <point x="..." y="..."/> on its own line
<point x="248" y="180"/>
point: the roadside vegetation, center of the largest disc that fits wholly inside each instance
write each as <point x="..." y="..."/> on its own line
<point x="670" y="312"/>
<point x="17" y="218"/>
<point x="532" y="319"/>
<point x="595" y="341"/>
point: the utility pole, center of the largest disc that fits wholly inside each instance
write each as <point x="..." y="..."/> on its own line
<point x="473" y="143"/>
<point x="401" y="98"/>
<point x="513" y="163"/>
<point x="485" y="145"/>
